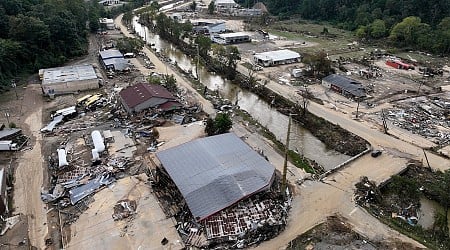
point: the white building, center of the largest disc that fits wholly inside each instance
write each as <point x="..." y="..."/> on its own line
<point x="206" y="26"/>
<point x="277" y="57"/>
<point x="231" y="38"/>
<point x="109" y="2"/>
<point x="107" y="23"/>
<point x="225" y="5"/>
<point x="70" y="79"/>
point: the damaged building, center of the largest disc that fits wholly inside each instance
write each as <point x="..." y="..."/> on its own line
<point x="344" y="86"/>
<point x="69" y="79"/>
<point x="143" y="96"/>
<point x="221" y="179"/>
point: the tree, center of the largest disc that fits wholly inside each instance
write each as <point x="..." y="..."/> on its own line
<point x="221" y="124"/>
<point x="193" y="6"/>
<point x="378" y="29"/>
<point x="211" y="7"/>
<point x="406" y="33"/>
<point x="204" y="45"/>
<point x="319" y="63"/>
<point x="130" y="45"/>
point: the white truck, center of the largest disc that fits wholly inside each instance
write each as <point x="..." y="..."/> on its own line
<point x="8" y="146"/>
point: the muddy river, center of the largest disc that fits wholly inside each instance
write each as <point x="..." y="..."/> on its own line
<point x="301" y="139"/>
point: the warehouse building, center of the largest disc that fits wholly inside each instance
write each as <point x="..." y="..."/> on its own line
<point x="112" y="59"/>
<point x="205" y="26"/>
<point x="143" y="96"/>
<point x="69" y="79"/>
<point x="344" y="86"/>
<point x="231" y="38"/>
<point x="216" y="172"/>
<point x="277" y="57"/>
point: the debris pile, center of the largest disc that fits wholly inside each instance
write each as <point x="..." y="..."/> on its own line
<point x="246" y="223"/>
<point x="367" y="192"/>
<point x="426" y="117"/>
<point x="124" y="209"/>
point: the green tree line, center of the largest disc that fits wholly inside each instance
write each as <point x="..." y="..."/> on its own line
<point x="37" y="34"/>
<point x="413" y="24"/>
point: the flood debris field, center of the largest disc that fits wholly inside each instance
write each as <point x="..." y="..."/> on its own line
<point x="250" y="221"/>
<point x="427" y="116"/>
<point x="400" y="203"/>
<point x="336" y="233"/>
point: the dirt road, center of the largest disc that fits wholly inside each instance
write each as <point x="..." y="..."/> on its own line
<point x="29" y="172"/>
<point x="317" y="200"/>
<point x="163" y="68"/>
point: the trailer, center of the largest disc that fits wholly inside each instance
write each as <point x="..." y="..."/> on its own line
<point x="8" y="146"/>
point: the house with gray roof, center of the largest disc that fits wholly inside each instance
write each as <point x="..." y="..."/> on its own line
<point x="344" y="86"/>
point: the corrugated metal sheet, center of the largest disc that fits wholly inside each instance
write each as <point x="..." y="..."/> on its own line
<point x="215" y="172"/>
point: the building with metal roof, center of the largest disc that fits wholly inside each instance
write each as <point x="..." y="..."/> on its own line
<point x="276" y="57"/>
<point x="345" y="86"/>
<point x="112" y="59"/>
<point x="143" y="96"/>
<point x="231" y="38"/>
<point x="216" y="172"/>
<point x="69" y="79"/>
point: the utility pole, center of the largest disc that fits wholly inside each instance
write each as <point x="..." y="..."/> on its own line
<point x="383" y="117"/>
<point x="286" y="150"/>
<point x="196" y="66"/>
<point x="357" y="107"/>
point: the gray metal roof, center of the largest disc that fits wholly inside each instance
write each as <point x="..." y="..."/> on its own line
<point x="110" y="53"/>
<point x="215" y="172"/>
<point x="120" y="64"/>
<point x="8" y="132"/>
<point x="277" y="55"/>
<point x="68" y="74"/>
<point x="347" y="84"/>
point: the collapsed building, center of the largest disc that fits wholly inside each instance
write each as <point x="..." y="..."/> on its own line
<point x="221" y="181"/>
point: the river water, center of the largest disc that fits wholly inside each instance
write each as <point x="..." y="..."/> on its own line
<point x="301" y="139"/>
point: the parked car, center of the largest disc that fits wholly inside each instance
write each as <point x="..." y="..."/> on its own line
<point x="376" y="153"/>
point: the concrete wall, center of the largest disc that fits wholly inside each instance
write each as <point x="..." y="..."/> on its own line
<point x="70" y="87"/>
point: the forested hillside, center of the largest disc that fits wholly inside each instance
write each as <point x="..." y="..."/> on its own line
<point x="39" y="33"/>
<point x="416" y="24"/>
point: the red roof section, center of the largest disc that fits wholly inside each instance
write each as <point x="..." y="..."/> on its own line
<point x="170" y="105"/>
<point x="141" y="92"/>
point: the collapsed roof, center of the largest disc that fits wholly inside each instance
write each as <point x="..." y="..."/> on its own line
<point x="215" y="172"/>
